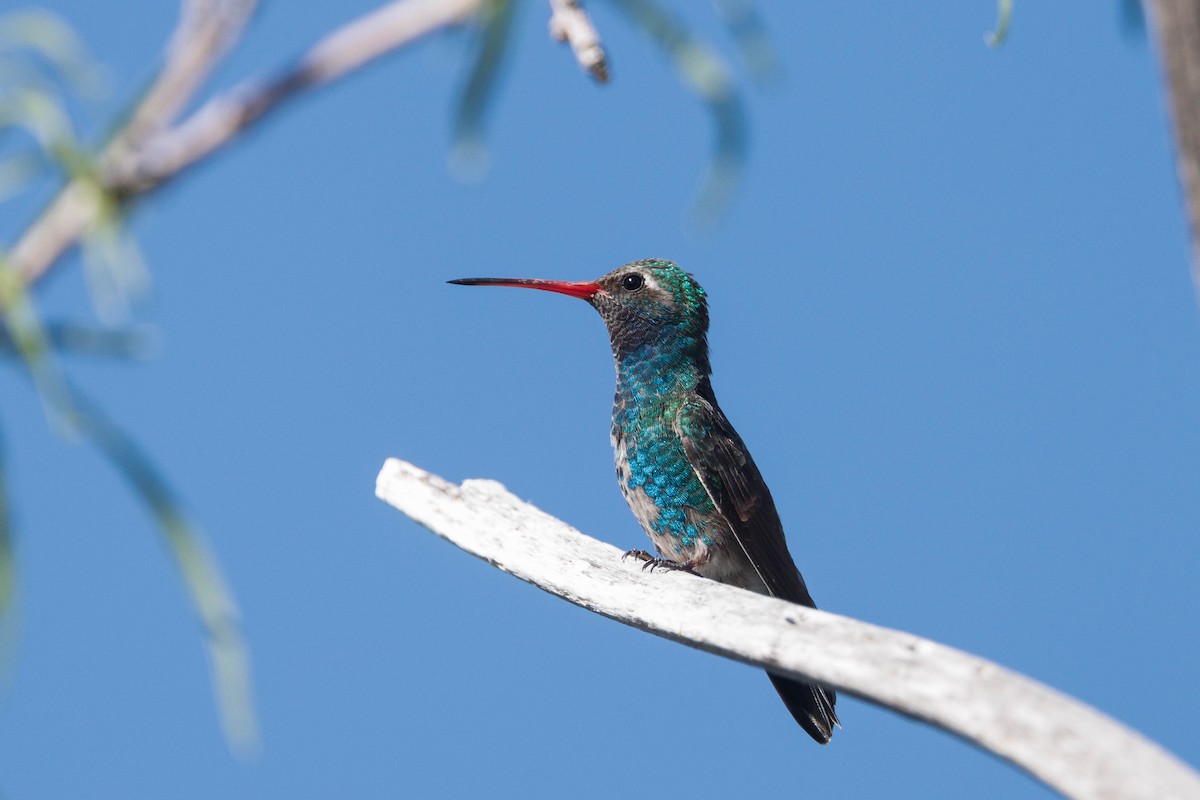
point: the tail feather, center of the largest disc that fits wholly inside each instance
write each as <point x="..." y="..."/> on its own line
<point x="811" y="705"/>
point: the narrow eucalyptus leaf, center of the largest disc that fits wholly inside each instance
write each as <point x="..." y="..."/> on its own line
<point x="210" y="597"/>
<point x="23" y="325"/>
<point x="1003" y="18"/>
<point x="703" y="69"/>
<point x="137" y="342"/>
<point x="750" y="34"/>
<point x="469" y="157"/>
<point x="48" y="34"/>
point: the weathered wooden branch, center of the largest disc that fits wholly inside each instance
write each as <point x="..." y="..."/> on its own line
<point x="1068" y="745"/>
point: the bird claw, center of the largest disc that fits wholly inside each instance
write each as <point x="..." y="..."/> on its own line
<point x="669" y="565"/>
<point x="651" y="563"/>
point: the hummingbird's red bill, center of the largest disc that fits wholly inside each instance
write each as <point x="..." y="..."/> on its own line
<point x="584" y="290"/>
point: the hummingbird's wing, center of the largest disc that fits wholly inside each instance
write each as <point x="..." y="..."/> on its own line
<point x="737" y="489"/>
<point x="725" y="469"/>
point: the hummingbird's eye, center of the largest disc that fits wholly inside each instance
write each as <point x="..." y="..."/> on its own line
<point x="632" y="282"/>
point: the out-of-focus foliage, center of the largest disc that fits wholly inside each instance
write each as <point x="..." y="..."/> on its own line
<point x="1003" y="18"/>
<point x="702" y="68"/>
<point x="469" y="158"/>
<point x="753" y="41"/>
<point x="42" y="64"/>
<point x="1133" y="18"/>
<point x="44" y="73"/>
<point x="709" y="77"/>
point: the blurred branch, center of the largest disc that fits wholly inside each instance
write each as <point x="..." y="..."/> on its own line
<point x="1064" y="743"/>
<point x="149" y="150"/>
<point x="1176" y="26"/>
<point x="345" y="50"/>
<point x="570" y="23"/>
<point x="206" y="32"/>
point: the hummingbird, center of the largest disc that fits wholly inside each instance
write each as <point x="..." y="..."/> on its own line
<point x="682" y="468"/>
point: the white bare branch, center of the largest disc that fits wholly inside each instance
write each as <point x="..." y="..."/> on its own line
<point x="1068" y="745"/>
<point x="347" y="49"/>
<point x="380" y="32"/>
<point x="570" y="23"/>
<point x="207" y="30"/>
<point x="136" y="164"/>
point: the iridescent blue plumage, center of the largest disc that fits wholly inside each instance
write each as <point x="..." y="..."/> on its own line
<point x="682" y="468"/>
<point x="656" y="477"/>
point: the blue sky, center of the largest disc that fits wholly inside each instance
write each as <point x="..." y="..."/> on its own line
<point x="952" y="319"/>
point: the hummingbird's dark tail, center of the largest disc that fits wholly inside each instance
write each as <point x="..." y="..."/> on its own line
<point x="811" y="705"/>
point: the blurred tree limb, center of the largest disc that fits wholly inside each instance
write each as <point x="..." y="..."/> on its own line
<point x="1176" y="27"/>
<point x="570" y="23"/>
<point x="1066" y="744"/>
<point x="155" y="146"/>
<point x="149" y="150"/>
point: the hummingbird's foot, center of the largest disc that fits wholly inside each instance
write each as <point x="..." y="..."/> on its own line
<point x="652" y="563"/>
<point x="669" y="565"/>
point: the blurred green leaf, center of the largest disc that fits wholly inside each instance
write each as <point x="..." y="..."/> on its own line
<point x="209" y="596"/>
<point x="19" y="171"/>
<point x="51" y="38"/>
<point x="750" y="34"/>
<point x="1133" y="19"/>
<point x="469" y="157"/>
<point x="1003" y="18"/>
<point x="89" y="340"/>
<point x="117" y="274"/>
<point x="24" y="329"/>
<point x="42" y="116"/>
<point x="707" y="74"/>
<point x="207" y="591"/>
<point x="38" y="54"/>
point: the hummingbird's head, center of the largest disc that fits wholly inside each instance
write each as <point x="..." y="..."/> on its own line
<point x="644" y="303"/>
<point x="651" y="302"/>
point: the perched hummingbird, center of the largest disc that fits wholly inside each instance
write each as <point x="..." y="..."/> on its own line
<point x="682" y="467"/>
